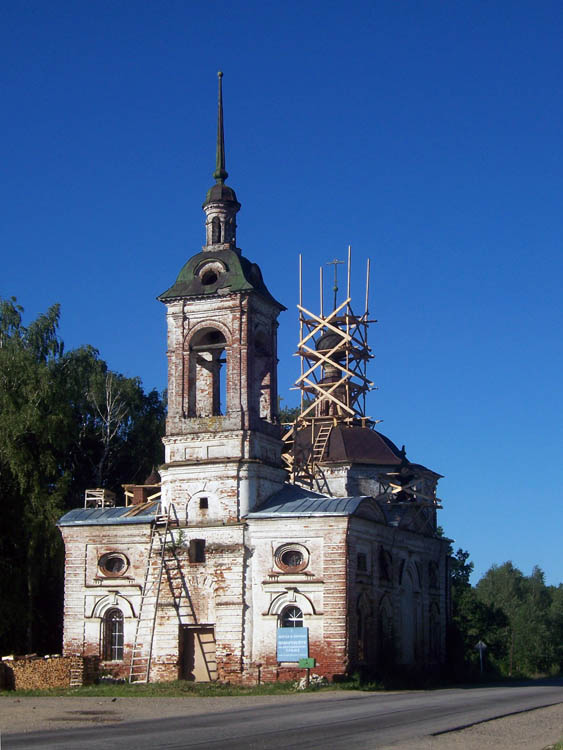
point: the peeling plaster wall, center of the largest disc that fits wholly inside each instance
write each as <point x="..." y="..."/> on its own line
<point x="242" y="319"/>
<point x="206" y="593"/>
<point x="88" y="593"/>
<point x="319" y="591"/>
<point x="233" y="488"/>
<point x="240" y="591"/>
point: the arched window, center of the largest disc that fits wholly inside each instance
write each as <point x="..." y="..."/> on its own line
<point x="411" y="615"/>
<point x="361" y="634"/>
<point x="112" y="646"/>
<point x="386" y="644"/>
<point x="215" y="230"/>
<point x="433" y="575"/>
<point x="385" y="566"/>
<point x="435" y="632"/>
<point x="363" y="621"/>
<point x="207" y="379"/>
<point x="263" y="363"/>
<point x="266" y="396"/>
<point x="291" y="617"/>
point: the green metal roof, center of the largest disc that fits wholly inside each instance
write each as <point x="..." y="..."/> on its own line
<point x="239" y="275"/>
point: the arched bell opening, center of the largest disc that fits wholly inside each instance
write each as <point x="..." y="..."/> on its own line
<point x="264" y="398"/>
<point x="207" y="391"/>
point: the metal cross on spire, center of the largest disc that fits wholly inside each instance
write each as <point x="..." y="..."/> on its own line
<point x="220" y="172"/>
<point x="335" y="263"/>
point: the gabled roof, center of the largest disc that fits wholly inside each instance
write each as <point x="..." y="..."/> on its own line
<point x="295" y="501"/>
<point x="131" y="514"/>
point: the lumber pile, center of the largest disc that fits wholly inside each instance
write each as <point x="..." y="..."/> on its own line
<point x="32" y="672"/>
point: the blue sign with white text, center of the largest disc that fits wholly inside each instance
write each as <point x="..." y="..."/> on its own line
<point x="293" y="644"/>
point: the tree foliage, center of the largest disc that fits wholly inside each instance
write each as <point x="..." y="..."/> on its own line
<point x="66" y="423"/>
<point x="518" y="617"/>
<point x="533" y="634"/>
<point x="289" y="414"/>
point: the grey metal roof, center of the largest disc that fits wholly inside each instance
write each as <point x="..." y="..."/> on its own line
<point x="297" y="501"/>
<point x="109" y="516"/>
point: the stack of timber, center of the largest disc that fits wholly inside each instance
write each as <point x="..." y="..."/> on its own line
<point x="33" y="672"/>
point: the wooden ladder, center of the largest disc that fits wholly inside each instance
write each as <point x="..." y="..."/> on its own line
<point x="141" y="653"/>
<point x="320" y="443"/>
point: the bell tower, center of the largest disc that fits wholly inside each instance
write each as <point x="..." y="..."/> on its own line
<point x="222" y="433"/>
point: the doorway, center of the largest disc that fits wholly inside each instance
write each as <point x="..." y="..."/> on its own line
<point x="197" y="654"/>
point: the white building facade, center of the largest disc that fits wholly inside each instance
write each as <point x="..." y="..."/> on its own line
<point x="200" y="583"/>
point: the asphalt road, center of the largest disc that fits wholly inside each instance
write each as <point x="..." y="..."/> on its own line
<point x="361" y="720"/>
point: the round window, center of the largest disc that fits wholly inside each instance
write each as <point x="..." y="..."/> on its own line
<point x="113" y="564"/>
<point x="292" y="558"/>
<point x="210" y="272"/>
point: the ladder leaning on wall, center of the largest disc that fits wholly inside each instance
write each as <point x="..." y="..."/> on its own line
<point x="141" y="653"/>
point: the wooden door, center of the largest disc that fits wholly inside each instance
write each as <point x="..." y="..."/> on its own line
<point x="198" y="661"/>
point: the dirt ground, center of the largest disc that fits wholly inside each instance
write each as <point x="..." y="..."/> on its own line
<point x="533" y="730"/>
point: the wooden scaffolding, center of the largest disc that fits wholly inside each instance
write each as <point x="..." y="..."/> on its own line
<point x="334" y="353"/>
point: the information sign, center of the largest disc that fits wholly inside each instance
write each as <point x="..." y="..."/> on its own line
<point x="292" y="644"/>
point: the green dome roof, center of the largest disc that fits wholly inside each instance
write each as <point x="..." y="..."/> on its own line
<point x="228" y="273"/>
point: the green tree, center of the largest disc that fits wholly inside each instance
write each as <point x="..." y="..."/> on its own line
<point x="472" y="621"/>
<point x="32" y="444"/>
<point x="288" y="414"/>
<point x="460" y="570"/>
<point x="531" y="635"/>
<point x="477" y="621"/>
<point x="57" y="437"/>
<point x="556" y="623"/>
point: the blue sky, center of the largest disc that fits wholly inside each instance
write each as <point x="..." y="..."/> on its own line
<point x="425" y="134"/>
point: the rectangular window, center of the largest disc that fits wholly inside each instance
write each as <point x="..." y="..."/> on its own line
<point x="197" y="550"/>
<point x="203" y="503"/>
<point x="362" y="562"/>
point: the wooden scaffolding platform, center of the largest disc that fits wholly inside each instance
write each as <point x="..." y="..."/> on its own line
<point x="334" y="353"/>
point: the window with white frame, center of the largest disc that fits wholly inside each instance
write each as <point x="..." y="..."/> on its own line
<point x="291" y="617"/>
<point x="112" y="645"/>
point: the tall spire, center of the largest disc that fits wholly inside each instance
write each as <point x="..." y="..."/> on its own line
<point x="220" y="172"/>
<point x="221" y="203"/>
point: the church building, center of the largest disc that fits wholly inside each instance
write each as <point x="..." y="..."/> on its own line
<point x="258" y="549"/>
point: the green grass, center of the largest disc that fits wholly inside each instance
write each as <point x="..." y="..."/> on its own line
<point x="183" y="689"/>
<point x="178" y="689"/>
